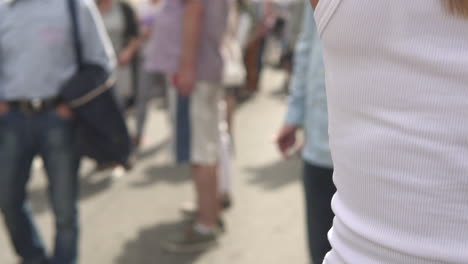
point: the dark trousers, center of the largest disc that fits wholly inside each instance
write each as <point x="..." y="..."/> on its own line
<point x="22" y="137"/>
<point x="319" y="190"/>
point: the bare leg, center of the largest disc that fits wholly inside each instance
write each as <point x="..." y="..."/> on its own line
<point x="206" y="186"/>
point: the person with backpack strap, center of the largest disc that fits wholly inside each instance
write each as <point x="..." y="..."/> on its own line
<point x="37" y="57"/>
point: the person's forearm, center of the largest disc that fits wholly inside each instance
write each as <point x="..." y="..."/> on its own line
<point x="128" y="53"/>
<point x="133" y="46"/>
<point x="191" y="33"/>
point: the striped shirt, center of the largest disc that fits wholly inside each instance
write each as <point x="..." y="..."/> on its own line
<point x="36" y="46"/>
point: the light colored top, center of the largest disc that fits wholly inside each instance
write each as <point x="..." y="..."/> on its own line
<point x="36" y="48"/>
<point x="148" y="12"/>
<point x="114" y="22"/>
<point x="164" y="49"/>
<point x="308" y="103"/>
<point x="233" y="64"/>
<point x="397" y="82"/>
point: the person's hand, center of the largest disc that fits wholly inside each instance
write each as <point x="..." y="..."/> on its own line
<point x="4" y="108"/>
<point x="286" y="138"/>
<point x="184" y="80"/>
<point x="64" y="112"/>
<point x="125" y="57"/>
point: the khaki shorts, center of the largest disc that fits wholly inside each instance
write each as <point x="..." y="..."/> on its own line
<point x="195" y="121"/>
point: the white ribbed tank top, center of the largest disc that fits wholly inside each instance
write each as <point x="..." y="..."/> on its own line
<point x="397" y="80"/>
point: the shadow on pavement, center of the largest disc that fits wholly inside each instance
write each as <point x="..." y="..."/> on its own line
<point x="280" y="94"/>
<point x="275" y="175"/>
<point x="89" y="186"/>
<point x="38" y="201"/>
<point x="171" y="174"/>
<point x="147" y="153"/>
<point x="92" y="182"/>
<point x="145" y="249"/>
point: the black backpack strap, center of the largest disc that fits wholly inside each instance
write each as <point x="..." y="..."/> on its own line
<point x="73" y="11"/>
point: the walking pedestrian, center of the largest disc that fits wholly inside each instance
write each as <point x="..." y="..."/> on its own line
<point x="192" y="62"/>
<point x="122" y="26"/>
<point x="263" y="19"/>
<point x="307" y="109"/>
<point x="152" y="80"/>
<point x="37" y="57"/>
<point x="397" y="73"/>
<point x="234" y="78"/>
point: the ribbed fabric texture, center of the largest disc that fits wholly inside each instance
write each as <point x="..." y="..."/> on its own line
<point x="397" y="81"/>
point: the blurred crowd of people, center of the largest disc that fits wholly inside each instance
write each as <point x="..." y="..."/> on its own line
<point x="200" y="57"/>
<point x="361" y="73"/>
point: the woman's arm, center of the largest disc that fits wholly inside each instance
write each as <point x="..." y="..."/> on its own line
<point x="126" y="55"/>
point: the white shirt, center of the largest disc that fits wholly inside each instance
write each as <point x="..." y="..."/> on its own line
<point x="397" y="80"/>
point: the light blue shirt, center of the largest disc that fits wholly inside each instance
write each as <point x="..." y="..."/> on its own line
<point x="36" y="46"/>
<point x="308" y="102"/>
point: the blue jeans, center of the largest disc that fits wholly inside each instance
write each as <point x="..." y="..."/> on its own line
<point x="319" y="190"/>
<point x="22" y="137"/>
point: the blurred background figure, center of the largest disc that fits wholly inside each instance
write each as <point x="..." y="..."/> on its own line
<point x="307" y="109"/>
<point x="286" y="31"/>
<point x="262" y="20"/>
<point x="152" y="81"/>
<point x="121" y="24"/>
<point x="36" y="41"/>
<point x="234" y="77"/>
<point x="187" y="44"/>
<point x="277" y="24"/>
<point x="198" y="62"/>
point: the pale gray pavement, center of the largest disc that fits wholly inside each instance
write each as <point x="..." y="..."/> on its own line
<point x="123" y="220"/>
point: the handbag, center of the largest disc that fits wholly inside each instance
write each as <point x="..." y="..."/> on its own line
<point x="102" y="131"/>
